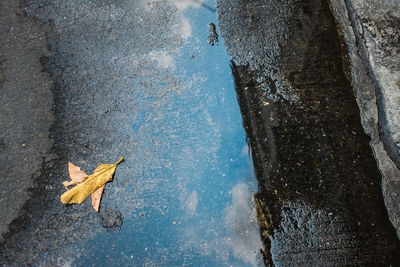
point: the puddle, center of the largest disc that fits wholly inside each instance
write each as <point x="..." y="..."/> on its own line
<point x="186" y="198"/>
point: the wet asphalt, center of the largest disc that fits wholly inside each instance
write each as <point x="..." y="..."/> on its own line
<point x="239" y="127"/>
<point x="152" y="82"/>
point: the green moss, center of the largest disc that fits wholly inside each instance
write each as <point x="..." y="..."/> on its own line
<point x="264" y="216"/>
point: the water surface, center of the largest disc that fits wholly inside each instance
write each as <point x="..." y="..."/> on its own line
<point x="186" y="198"/>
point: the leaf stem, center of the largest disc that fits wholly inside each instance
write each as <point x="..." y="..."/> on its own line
<point x="120" y="160"/>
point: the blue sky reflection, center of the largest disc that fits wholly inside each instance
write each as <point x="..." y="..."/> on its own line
<point x="196" y="207"/>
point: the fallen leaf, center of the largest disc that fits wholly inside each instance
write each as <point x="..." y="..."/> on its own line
<point x="76" y="174"/>
<point x="96" y="197"/>
<point x="101" y="175"/>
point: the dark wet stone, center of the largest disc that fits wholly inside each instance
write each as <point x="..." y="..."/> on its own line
<point x="317" y="176"/>
<point x="111" y="219"/>
<point x="371" y="31"/>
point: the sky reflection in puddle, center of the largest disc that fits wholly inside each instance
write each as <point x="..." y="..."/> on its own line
<point x="196" y="208"/>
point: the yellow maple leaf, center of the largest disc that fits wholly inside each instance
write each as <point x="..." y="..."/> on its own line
<point x="101" y="175"/>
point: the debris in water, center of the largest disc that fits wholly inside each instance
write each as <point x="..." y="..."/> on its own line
<point x="212" y="36"/>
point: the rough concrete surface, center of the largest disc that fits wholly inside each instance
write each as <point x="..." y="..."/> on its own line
<point x="137" y="78"/>
<point x="371" y="33"/>
<point x="317" y="176"/>
<point x="26" y="108"/>
<point x="244" y="43"/>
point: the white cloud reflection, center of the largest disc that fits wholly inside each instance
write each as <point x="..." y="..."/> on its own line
<point x="163" y="59"/>
<point x="191" y="203"/>
<point x="183" y="4"/>
<point x="180" y="4"/>
<point x="241" y="221"/>
<point x="184" y="29"/>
